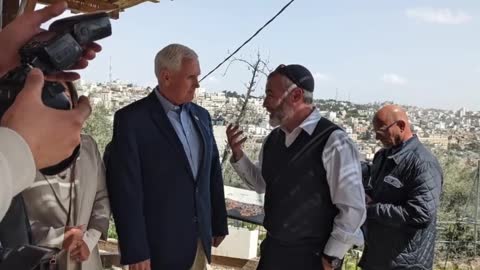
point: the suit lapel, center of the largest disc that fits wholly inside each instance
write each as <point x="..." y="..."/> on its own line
<point x="54" y="186"/>
<point x="201" y="130"/>
<point x="165" y="127"/>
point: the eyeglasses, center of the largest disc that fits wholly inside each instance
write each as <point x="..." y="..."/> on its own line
<point x="383" y="130"/>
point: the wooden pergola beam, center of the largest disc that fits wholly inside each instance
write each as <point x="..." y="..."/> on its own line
<point x="26" y="6"/>
<point x="9" y="9"/>
<point x="1" y="13"/>
<point x="85" y="5"/>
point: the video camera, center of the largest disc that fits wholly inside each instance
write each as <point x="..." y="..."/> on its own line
<point x="53" y="51"/>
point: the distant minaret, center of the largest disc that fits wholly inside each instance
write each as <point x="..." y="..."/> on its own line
<point x="110" y="71"/>
<point x="336" y="94"/>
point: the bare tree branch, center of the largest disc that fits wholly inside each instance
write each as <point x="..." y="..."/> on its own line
<point x="257" y="68"/>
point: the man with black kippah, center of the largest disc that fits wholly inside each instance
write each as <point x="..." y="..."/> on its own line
<point x="310" y="173"/>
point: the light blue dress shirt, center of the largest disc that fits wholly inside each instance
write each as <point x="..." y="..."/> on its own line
<point x="186" y="131"/>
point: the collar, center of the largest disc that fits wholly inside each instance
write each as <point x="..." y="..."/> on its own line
<point x="166" y="104"/>
<point x="399" y="153"/>
<point x="309" y="124"/>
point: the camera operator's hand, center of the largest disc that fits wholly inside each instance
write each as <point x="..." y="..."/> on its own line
<point x="51" y="134"/>
<point x="23" y="28"/>
<point x="81" y="252"/>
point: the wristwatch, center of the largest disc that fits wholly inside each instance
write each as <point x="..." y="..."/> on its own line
<point x="333" y="261"/>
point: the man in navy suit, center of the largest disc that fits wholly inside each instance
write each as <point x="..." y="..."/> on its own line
<point x="164" y="175"/>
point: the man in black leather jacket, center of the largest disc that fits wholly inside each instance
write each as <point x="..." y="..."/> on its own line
<point x="403" y="198"/>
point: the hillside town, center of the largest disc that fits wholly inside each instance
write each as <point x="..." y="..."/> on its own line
<point x="442" y="130"/>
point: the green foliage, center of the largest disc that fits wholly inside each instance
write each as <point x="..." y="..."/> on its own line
<point x="350" y="262"/>
<point x="230" y="177"/>
<point x="232" y="94"/>
<point x="474" y="146"/>
<point x="366" y="136"/>
<point x="353" y="113"/>
<point x="112" y="230"/>
<point x="251" y="226"/>
<point x="457" y="186"/>
<point x="262" y="236"/>
<point x="456" y="235"/>
<point x="99" y="126"/>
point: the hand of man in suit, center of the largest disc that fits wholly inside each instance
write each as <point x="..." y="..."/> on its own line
<point x="217" y="240"/>
<point x="145" y="265"/>
<point x="233" y="135"/>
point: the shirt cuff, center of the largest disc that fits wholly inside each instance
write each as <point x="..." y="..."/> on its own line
<point x="241" y="165"/>
<point x="335" y="248"/>
<point x="19" y="158"/>
<point x="91" y="238"/>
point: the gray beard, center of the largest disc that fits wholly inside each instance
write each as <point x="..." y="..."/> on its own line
<point x="280" y="116"/>
<point x="274" y="121"/>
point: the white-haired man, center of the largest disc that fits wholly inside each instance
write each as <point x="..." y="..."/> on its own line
<point x="163" y="172"/>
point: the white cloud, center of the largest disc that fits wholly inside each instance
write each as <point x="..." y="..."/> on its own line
<point x="392" y="78"/>
<point x="439" y="15"/>
<point x="213" y="79"/>
<point x="321" y="76"/>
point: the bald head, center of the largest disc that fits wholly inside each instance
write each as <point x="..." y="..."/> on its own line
<point x="392" y="125"/>
<point x="391" y="113"/>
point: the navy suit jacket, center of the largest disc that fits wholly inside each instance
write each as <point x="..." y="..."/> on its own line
<point x="160" y="210"/>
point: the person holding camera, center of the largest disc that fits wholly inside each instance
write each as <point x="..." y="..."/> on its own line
<point x="68" y="205"/>
<point x="33" y="135"/>
<point x="403" y="197"/>
<point x="310" y="173"/>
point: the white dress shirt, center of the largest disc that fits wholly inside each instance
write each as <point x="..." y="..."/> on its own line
<point x="17" y="167"/>
<point x="344" y="176"/>
<point x="186" y="132"/>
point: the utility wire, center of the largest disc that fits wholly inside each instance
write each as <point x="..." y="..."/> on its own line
<point x="248" y="40"/>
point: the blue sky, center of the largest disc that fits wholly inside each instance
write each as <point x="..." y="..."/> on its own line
<point x="424" y="53"/>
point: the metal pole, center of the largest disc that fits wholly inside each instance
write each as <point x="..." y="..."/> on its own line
<point x="27" y="6"/>
<point x="1" y="14"/>
<point x="477" y="180"/>
<point x="9" y="11"/>
<point x="21" y="7"/>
